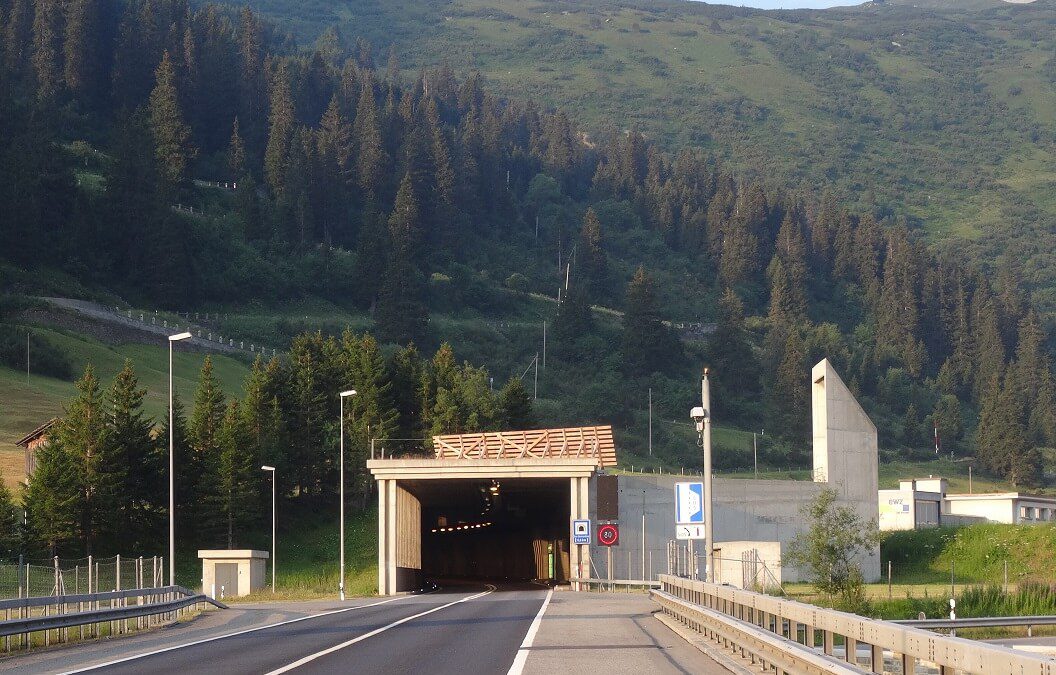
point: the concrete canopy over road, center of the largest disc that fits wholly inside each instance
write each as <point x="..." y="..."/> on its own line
<point x="490" y="506"/>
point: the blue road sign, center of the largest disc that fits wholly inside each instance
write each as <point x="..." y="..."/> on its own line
<point x="580" y="531"/>
<point x="689" y="503"/>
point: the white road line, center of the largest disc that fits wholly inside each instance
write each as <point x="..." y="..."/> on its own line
<point x="228" y="635"/>
<point x="312" y="657"/>
<point x="522" y="654"/>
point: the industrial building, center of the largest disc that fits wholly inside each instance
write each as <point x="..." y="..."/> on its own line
<point x="926" y="502"/>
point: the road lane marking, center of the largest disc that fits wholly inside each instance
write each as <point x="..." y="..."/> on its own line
<point x="522" y="654"/>
<point x="312" y="657"/>
<point x="126" y="659"/>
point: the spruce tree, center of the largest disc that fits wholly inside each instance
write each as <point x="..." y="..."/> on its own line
<point x="789" y="393"/>
<point x="236" y="154"/>
<point x="10" y="524"/>
<point x="203" y="435"/>
<point x="282" y="121"/>
<point x="647" y="344"/>
<point x="233" y="481"/>
<point x="172" y="136"/>
<point x="186" y="471"/>
<point x="592" y="262"/>
<point x="132" y="468"/>
<point x="48" y="29"/>
<point x="53" y="501"/>
<point x="731" y="355"/>
<point x="1031" y="380"/>
<point x="515" y="406"/>
<point x="401" y="315"/>
<point x="371" y="157"/>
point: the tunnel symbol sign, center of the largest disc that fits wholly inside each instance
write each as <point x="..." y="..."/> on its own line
<point x="580" y="531"/>
<point x="689" y="503"/>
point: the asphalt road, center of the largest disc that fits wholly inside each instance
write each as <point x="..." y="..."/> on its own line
<point x="458" y="630"/>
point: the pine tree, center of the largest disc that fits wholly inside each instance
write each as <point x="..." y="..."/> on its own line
<point x="236" y="154"/>
<point x="53" y="501"/>
<point x="789" y="395"/>
<point x="48" y="31"/>
<point x="203" y="435"/>
<point x="515" y="406"/>
<point x="947" y="418"/>
<point x="280" y="133"/>
<point x="131" y="468"/>
<point x="264" y="429"/>
<point x="592" y="262"/>
<point x="1002" y="438"/>
<point x="988" y="351"/>
<point x="231" y="480"/>
<point x="401" y="315"/>
<point x="186" y="472"/>
<point x="10" y="524"/>
<point x="83" y="61"/>
<point x="371" y="158"/>
<point x="172" y="137"/>
<point x="730" y="353"/>
<point x="647" y="344"/>
<point x="1031" y="379"/>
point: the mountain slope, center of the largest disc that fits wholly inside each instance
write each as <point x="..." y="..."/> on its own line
<point x="944" y="116"/>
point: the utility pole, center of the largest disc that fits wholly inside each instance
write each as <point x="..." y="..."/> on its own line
<point x="650" y="421"/>
<point x="27" y="355"/>
<point x="544" y="345"/>
<point x="643" y="535"/>
<point x="709" y="528"/>
<point x="535" y="396"/>
<point x="755" y="454"/>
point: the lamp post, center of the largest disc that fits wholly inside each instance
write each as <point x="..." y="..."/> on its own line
<point x="274" y="541"/>
<point x="172" y="468"/>
<point x="702" y="419"/>
<point x="341" y="538"/>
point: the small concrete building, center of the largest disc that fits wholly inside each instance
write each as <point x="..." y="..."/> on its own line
<point x="235" y="572"/>
<point x="926" y="503"/>
<point x="915" y="504"/>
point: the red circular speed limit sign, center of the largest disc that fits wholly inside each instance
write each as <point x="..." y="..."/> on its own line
<point x="608" y="535"/>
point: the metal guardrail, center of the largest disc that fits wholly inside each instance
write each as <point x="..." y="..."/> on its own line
<point x="617" y="582"/>
<point x="176" y="598"/>
<point x="980" y="622"/>
<point x="732" y="617"/>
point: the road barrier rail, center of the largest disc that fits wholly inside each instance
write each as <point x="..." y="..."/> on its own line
<point x="981" y="622"/>
<point x="44" y="614"/>
<point x="788" y="636"/>
<point x="635" y="583"/>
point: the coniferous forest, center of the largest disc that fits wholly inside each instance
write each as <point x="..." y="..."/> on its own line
<point x="403" y="194"/>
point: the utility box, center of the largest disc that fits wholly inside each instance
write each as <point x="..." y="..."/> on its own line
<point x="227" y="573"/>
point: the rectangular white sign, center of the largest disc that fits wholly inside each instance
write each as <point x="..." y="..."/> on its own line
<point x="689" y="503"/>
<point x="689" y="531"/>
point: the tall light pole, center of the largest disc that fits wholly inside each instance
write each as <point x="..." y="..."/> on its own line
<point x="172" y="468"/>
<point x="274" y="541"/>
<point x="341" y="538"/>
<point x="702" y="419"/>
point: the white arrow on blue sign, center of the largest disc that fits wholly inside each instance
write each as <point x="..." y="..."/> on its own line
<point x="689" y="503"/>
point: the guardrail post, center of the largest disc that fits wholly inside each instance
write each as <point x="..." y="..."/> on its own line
<point x="826" y="644"/>
<point x="909" y="664"/>
<point x="850" y="648"/>
<point x="876" y="660"/>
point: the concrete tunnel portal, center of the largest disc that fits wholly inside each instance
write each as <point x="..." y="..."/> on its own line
<point x="489" y="506"/>
<point x="494" y="529"/>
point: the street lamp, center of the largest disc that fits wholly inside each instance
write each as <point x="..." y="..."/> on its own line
<point x="701" y="416"/>
<point x="172" y="469"/>
<point x="274" y="541"/>
<point x="341" y="538"/>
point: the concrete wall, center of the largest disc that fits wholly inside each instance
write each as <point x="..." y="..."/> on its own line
<point x="845" y="459"/>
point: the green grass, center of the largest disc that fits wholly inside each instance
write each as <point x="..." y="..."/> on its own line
<point x="308" y="554"/>
<point x="976" y="553"/>
<point x="943" y="127"/>
<point x="25" y="404"/>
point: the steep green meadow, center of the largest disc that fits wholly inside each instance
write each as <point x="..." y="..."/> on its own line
<point x="941" y="114"/>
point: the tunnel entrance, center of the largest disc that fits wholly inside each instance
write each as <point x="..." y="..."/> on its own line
<point x="492" y="505"/>
<point x="513" y="529"/>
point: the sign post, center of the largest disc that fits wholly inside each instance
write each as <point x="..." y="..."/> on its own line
<point x="690" y="518"/>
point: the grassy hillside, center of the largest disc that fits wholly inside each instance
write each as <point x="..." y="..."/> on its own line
<point x="943" y="115"/>
<point x="978" y="554"/>
<point x="25" y="404"/>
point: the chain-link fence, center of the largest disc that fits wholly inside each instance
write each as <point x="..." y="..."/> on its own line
<point x="57" y="576"/>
